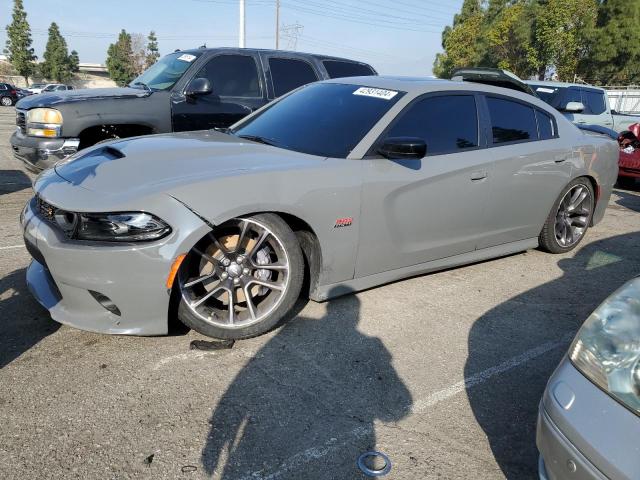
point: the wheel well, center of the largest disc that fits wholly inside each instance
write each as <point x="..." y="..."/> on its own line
<point x="92" y="135"/>
<point x="311" y="251"/>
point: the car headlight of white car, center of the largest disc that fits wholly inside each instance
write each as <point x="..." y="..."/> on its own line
<point x="607" y="347"/>
<point x="44" y="122"/>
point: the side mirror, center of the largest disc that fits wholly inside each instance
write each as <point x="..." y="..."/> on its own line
<point x="574" y="107"/>
<point x="198" y="86"/>
<point x="398" y="148"/>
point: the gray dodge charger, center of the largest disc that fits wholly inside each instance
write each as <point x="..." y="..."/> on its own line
<point x="336" y="187"/>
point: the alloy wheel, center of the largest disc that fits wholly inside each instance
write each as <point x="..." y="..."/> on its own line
<point x="574" y="213"/>
<point x="236" y="276"/>
<point x="6" y="101"/>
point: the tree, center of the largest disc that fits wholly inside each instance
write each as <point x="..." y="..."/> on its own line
<point x="153" y="54"/>
<point x="139" y="53"/>
<point x="508" y="36"/>
<point x="56" y="64"/>
<point x="463" y="46"/>
<point x="119" y="60"/>
<point x="74" y="61"/>
<point x="561" y="31"/>
<point x="18" y="50"/>
<point x="614" y="49"/>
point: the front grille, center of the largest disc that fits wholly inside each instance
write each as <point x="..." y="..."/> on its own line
<point x="21" y="120"/>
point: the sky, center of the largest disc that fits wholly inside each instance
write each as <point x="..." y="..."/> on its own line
<point x="398" y="37"/>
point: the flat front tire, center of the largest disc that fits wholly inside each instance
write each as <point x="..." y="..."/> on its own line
<point x="242" y="279"/>
<point x="569" y="219"/>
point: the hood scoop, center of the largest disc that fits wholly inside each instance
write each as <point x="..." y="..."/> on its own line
<point x="77" y="170"/>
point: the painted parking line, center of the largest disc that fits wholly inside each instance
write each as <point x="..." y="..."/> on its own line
<point x="334" y="445"/>
<point x="11" y="247"/>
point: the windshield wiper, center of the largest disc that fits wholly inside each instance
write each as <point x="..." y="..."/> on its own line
<point x="259" y="139"/>
<point x="143" y="85"/>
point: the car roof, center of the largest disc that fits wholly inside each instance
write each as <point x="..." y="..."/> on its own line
<point x="268" y="50"/>
<point x="560" y="84"/>
<point x="416" y="86"/>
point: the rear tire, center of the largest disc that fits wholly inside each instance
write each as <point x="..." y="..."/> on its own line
<point x="569" y="219"/>
<point x="242" y="279"/>
<point x="6" y="101"/>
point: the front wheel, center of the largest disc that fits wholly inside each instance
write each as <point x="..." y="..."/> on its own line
<point x="569" y="219"/>
<point x="6" y="101"/>
<point x="241" y="279"/>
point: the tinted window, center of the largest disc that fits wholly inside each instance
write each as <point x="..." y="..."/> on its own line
<point x="546" y="129"/>
<point x="232" y="76"/>
<point x="288" y="74"/>
<point x="337" y="69"/>
<point x="447" y="123"/>
<point x="3" y="86"/>
<point x="511" y="121"/>
<point x="593" y="102"/>
<point x="326" y="119"/>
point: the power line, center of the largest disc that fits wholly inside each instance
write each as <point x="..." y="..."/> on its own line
<point x="355" y="19"/>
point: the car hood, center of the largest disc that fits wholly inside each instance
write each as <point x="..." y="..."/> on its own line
<point x="161" y="162"/>
<point x="70" y="96"/>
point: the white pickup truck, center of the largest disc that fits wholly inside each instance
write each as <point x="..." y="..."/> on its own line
<point x="582" y="104"/>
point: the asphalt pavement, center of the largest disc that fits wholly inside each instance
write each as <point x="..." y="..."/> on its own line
<point x="442" y="372"/>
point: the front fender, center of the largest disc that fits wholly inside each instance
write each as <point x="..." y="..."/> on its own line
<point x="319" y="196"/>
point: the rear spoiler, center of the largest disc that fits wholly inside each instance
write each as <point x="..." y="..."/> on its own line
<point x="492" y="76"/>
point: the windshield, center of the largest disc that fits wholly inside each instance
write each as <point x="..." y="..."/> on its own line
<point x="164" y="74"/>
<point x="50" y="88"/>
<point x="37" y="85"/>
<point x="325" y="119"/>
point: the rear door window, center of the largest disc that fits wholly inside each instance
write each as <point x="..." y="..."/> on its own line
<point x="546" y="127"/>
<point x="339" y="69"/>
<point x="232" y="76"/>
<point x="594" y="102"/>
<point x="447" y="123"/>
<point x="511" y="121"/>
<point x="288" y="74"/>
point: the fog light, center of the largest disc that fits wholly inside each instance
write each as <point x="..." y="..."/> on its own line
<point x="105" y="302"/>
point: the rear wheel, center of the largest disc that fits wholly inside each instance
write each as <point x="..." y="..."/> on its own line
<point x="6" y="101"/>
<point x="242" y="279"/>
<point x="569" y="219"/>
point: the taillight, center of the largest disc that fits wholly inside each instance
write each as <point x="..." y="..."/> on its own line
<point x="13" y="92"/>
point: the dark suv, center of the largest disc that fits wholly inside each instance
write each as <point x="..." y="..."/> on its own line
<point x="186" y="90"/>
<point x="8" y="94"/>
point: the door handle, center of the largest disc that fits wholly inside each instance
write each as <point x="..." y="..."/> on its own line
<point x="479" y="175"/>
<point x="561" y="158"/>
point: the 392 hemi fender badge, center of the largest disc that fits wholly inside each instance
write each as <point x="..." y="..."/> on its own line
<point x="343" y="222"/>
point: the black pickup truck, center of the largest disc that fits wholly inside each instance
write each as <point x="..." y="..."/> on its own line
<point x="186" y="90"/>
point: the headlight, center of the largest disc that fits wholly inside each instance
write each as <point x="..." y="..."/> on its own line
<point x="607" y="347"/>
<point x="44" y="122"/>
<point x="112" y="227"/>
<point x="121" y="227"/>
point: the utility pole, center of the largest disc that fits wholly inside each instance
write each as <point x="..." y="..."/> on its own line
<point x="277" y="24"/>
<point x="242" y="32"/>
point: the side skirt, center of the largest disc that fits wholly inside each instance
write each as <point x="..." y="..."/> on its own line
<point x="327" y="292"/>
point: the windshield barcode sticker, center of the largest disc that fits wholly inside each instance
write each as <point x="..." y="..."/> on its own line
<point x="376" y="93"/>
<point x="185" y="57"/>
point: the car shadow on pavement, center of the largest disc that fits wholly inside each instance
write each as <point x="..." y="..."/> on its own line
<point x="506" y="406"/>
<point x="13" y="181"/>
<point x="628" y="200"/>
<point x="304" y="405"/>
<point x="23" y="322"/>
